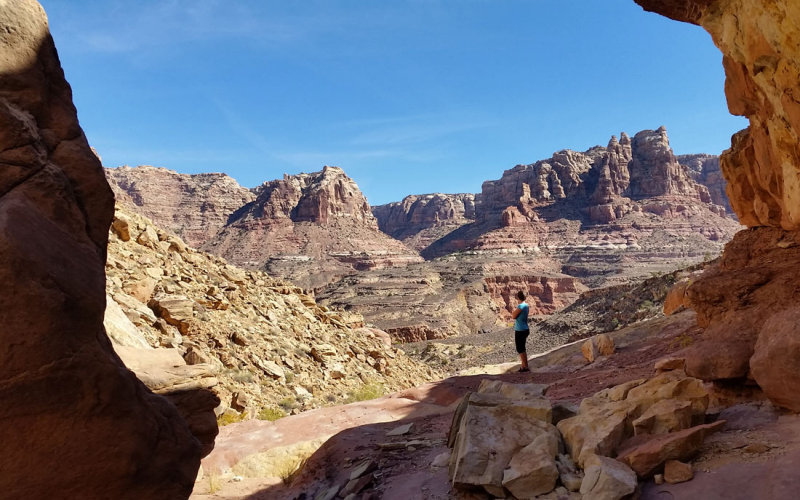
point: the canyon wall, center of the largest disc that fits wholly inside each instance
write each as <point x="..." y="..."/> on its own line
<point x="74" y="422"/>
<point x="193" y="206"/>
<point x="309" y="228"/>
<point x="761" y="58"/>
<point x="747" y="302"/>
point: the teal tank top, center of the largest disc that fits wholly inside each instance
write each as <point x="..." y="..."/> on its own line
<point x="521" y="322"/>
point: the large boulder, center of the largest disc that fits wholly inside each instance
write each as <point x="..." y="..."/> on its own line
<point x="74" y="422"/>
<point x="666" y="402"/>
<point x="776" y="359"/>
<point x="502" y="438"/>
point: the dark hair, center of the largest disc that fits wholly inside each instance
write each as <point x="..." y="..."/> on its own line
<point x="521" y="295"/>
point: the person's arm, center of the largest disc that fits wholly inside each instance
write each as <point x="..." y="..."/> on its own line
<point x="516" y="312"/>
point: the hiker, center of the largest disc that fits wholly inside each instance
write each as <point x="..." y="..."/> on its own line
<point x="521" y="330"/>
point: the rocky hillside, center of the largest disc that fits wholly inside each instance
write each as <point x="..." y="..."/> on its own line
<point x="195" y="207"/>
<point x="447" y="297"/>
<point x="272" y="348"/>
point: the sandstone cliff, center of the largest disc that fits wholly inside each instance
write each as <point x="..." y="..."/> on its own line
<point x="311" y="229"/>
<point x="705" y="170"/>
<point x="193" y="206"/>
<point x="633" y="195"/>
<point x="75" y="423"/>
<point x="745" y="304"/>
<point x="272" y="348"/>
<point x="418" y="220"/>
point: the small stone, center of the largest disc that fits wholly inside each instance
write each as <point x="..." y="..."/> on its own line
<point x="363" y="467"/>
<point x="441" y="460"/>
<point x="667" y="364"/>
<point x="356" y="485"/>
<point x="658" y="478"/>
<point x="756" y="448"/>
<point x="401" y="430"/>
<point x="677" y="472"/>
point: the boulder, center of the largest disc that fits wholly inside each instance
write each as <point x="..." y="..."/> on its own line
<point x="599" y="345"/>
<point x="119" y="327"/>
<point x="677" y="472"/>
<point x="776" y="359"/>
<point x="667" y="415"/>
<point x="607" y="479"/>
<point x="607" y="418"/>
<point x="492" y="421"/>
<point x="75" y="422"/>
<point x="676" y="299"/>
<point x="648" y="457"/>
<point x="175" y="310"/>
<point x="532" y="470"/>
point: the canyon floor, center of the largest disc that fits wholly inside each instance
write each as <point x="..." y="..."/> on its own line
<point x="752" y="457"/>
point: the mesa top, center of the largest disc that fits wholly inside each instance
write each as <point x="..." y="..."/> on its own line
<point x="521" y="322"/>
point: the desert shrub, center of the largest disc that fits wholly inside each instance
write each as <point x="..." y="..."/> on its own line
<point x="271" y="414"/>
<point x="230" y="417"/>
<point x="366" y="392"/>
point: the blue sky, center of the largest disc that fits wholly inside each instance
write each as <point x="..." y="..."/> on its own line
<point x="408" y="96"/>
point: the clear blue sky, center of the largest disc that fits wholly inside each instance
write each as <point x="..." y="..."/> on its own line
<point x="408" y="96"/>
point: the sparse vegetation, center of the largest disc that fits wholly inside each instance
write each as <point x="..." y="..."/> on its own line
<point x="271" y="414"/>
<point x="289" y="468"/>
<point x="288" y="404"/>
<point x="231" y="417"/>
<point x="366" y="392"/>
<point x="214" y="483"/>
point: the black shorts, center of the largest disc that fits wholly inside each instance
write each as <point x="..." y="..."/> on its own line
<point x="520" y="336"/>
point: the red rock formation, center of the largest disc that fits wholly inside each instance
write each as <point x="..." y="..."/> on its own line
<point x="747" y="303"/>
<point x="75" y="422"/>
<point x="705" y="170"/>
<point x="602" y="192"/>
<point x="435" y="213"/>
<point x="654" y="170"/>
<point x="545" y="295"/>
<point x="309" y="228"/>
<point x="193" y="206"/>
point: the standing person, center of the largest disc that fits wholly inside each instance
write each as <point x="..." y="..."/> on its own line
<point x="521" y="330"/>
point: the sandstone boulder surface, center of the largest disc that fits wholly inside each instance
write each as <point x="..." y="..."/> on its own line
<point x="75" y="422"/>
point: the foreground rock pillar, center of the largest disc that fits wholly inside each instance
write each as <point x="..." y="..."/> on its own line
<point x="74" y="422"/>
<point x="748" y="302"/>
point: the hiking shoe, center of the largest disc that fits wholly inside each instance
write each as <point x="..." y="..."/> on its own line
<point x="523" y="370"/>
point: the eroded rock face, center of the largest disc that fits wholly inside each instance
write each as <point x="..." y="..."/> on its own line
<point x="762" y="61"/>
<point x="193" y="206"/>
<point x="433" y="215"/>
<point x="309" y="228"/>
<point x="74" y="420"/>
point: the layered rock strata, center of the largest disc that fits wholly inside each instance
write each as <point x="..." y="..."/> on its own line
<point x="75" y="422"/>
<point x="634" y="191"/>
<point x="195" y="207"/>
<point x="311" y="229"/>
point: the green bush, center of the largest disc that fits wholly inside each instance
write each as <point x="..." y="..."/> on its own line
<point x="271" y="414"/>
<point x="366" y="392"/>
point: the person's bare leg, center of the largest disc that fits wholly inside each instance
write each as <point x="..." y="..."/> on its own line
<point x="523" y="357"/>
